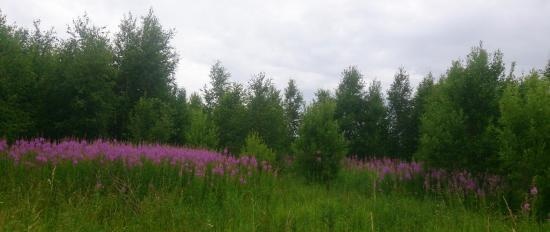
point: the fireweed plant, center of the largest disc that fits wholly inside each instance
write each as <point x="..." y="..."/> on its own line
<point x="102" y="161"/>
<point x="387" y="174"/>
<point x="117" y="181"/>
<point x="460" y="186"/>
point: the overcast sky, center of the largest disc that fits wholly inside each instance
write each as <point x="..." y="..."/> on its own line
<point x="312" y="41"/>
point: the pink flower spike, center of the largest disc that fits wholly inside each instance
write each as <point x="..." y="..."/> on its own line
<point x="526" y="207"/>
<point x="534" y="191"/>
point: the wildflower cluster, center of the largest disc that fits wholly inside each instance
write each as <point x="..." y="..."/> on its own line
<point x="434" y="180"/>
<point x="3" y="145"/>
<point x="386" y="167"/>
<point x="529" y="200"/>
<point x="462" y="182"/>
<point x="198" y="161"/>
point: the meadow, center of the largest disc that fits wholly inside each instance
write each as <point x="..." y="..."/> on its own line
<point x="113" y="186"/>
<point x="100" y="131"/>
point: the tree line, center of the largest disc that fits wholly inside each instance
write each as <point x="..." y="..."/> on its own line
<point x="477" y="116"/>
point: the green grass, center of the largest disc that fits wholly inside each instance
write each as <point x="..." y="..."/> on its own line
<point x="109" y="197"/>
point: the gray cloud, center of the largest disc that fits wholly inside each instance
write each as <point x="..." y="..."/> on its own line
<point x="313" y="41"/>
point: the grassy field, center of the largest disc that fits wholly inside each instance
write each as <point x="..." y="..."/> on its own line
<point x="94" y="196"/>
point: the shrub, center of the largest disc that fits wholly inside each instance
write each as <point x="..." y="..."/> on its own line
<point x="201" y="133"/>
<point x="457" y="128"/>
<point x="320" y="147"/>
<point x="524" y="139"/>
<point x="254" y="146"/>
<point x="150" y="121"/>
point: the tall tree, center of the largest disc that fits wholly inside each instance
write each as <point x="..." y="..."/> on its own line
<point x="523" y="134"/>
<point x="546" y="71"/>
<point x="219" y="83"/>
<point x="231" y="119"/>
<point x="465" y="109"/>
<point x="146" y="62"/>
<point x="320" y="146"/>
<point x="17" y="84"/>
<point x="401" y="125"/>
<point x="350" y="110"/>
<point x="375" y="134"/>
<point x="145" y="58"/>
<point x="265" y="112"/>
<point x="322" y="95"/>
<point x="80" y="96"/>
<point x="195" y="101"/>
<point x="181" y="117"/>
<point x="293" y="106"/>
<point x="419" y="101"/>
<point x="28" y="59"/>
<point x="45" y="51"/>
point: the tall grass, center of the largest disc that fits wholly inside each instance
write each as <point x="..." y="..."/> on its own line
<point x="99" y="195"/>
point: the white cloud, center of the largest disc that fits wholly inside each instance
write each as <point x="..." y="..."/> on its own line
<point x="313" y="41"/>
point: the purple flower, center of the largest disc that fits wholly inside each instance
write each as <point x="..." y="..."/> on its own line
<point x="3" y="145"/>
<point x="218" y="170"/>
<point x="459" y="182"/>
<point x="526" y="207"/>
<point x="199" y="161"/>
<point x="534" y="190"/>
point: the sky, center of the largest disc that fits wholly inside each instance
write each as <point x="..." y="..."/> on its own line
<point x="313" y="41"/>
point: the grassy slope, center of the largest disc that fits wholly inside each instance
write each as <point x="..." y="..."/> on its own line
<point x="158" y="199"/>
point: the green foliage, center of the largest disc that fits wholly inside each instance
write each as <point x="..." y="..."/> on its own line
<point x="91" y="196"/>
<point x="321" y="146"/>
<point x="323" y="95"/>
<point x="350" y="110"/>
<point x="255" y="146"/>
<point x="376" y="125"/>
<point x="27" y="59"/>
<point x="441" y="133"/>
<point x="145" y="58"/>
<point x="181" y="117"/>
<point x="195" y="101"/>
<point x="202" y="132"/>
<point x="546" y="71"/>
<point x="293" y="106"/>
<point x="81" y="94"/>
<point x="401" y="124"/>
<point x="420" y="100"/>
<point x="230" y="118"/>
<point x="146" y="63"/>
<point x="265" y="114"/>
<point x="87" y="86"/>
<point x="13" y="122"/>
<point x="219" y="81"/>
<point x="458" y="123"/>
<point x="151" y="121"/>
<point x="524" y="138"/>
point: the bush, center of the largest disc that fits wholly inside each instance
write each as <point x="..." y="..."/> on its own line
<point x="14" y="123"/>
<point x="150" y="121"/>
<point x="254" y="146"/>
<point x="457" y="128"/>
<point x="320" y="147"/>
<point x="524" y="139"/>
<point x="441" y="134"/>
<point x="202" y="133"/>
